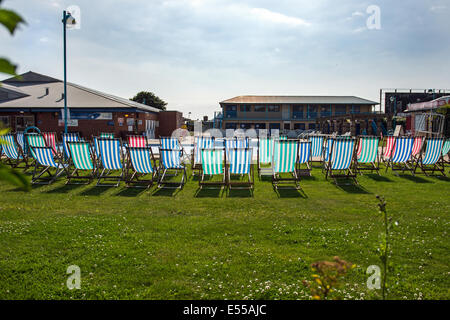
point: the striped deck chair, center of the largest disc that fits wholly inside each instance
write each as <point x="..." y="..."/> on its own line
<point x="96" y="148"/>
<point x="200" y="143"/>
<point x="212" y="164"/>
<point x="326" y="152"/>
<point x="316" y="148"/>
<point x="106" y="135"/>
<point x="388" y="148"/>
<point x="401" y="156"/>
<point x="285" y="157"/>
<point x="69" y="137"/>
<point x="341" y="161"/>
<point x="431" y="157"/>
<point x="417" y="146"/>
<point x="240" y="163"/>
<point x="34" y="140"/>
<point x="137" y="141"/>
<point x="81" y="158"/>
<point x="265" y="152"/>
<point x="171" y="160"/>
<point x="13" y="152"/>
<point x="111" y="159"/>
<point x="142" y="163"/>
<point x="445" y="151"/>
<point x="367" y="158"/>
<point x="20" y="139"/>
<point x="45" y="162"/>
<point x="304" y="158"/>
<point x="51" y="141"/>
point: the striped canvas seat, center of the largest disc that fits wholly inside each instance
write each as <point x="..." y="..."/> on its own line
<point x="170" y="143"/>
<point x="342" y="159"/>
<point x="240" y="163"/>
<point x="69" y="137"/>
<point x="170" y="159"/>
<point x="367" y="155"/>
<point x="316" y="146"/>
<point x="446" y="148"/>
<point x="137" y="141"/>
<point x="10" y="148"/>
<point x="142" y="162"/>
<point x="106" y="135"/>
<point x="265" y="150"/>
<point x="401" y="155"/>
<point x="389" y="147"/>
<point x="44" y="156"/>
<point x="35" y="140"/>
<point x="417" y="146"/>
<point x="81" y="155"/>
<point x="201" y="143"/>
<point x="304" y="153"/>
<point x="20" y="139"/>
<point x="235" y="143"/>
<point x="50" y="140"/>
<point x="110" y="151"/>
<point x="285" y="157"/>
<point x="45" y="159"/>
<point x="212" y="161"/>
<point x="430" y="160"/>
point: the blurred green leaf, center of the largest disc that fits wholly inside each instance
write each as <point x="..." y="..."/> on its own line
<point x="10" y="20"/>
<point x="7" y="67"/>
<point x="14" y="177"/>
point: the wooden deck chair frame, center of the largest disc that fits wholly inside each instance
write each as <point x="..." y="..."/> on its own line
<point x="304" y="158"/>
<point x="165" y="171"/>
<point x="205" y="172"/>
<point x="14" y="153"/>
<point x="277" y="180"/>
<point x="76" y="163"/>
<point x="397" y="165"/>
<point x="343" y="171"/>
<point x="250" y="183"/>
<point x="430" y="159"/>
<point x="45" y="162"/>
<point x="135" y="168"/>
<point x="265" y="145"/>
<point x="110" y="164"/>
<point x="367" y="161"/>
<point x="196" y="166"/>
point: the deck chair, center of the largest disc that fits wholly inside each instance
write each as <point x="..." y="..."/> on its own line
<point x="445" y="151"/>
<point x="51" y="141"/>
<point x="111" y="159"/>
<point x="34" y="140"/>
<point x="316" y="148"/>
<point x="240" y="163"/>
<point x="341" y="161"/>
<point x="388" y="148"/>
<point x="45" y="162"/>
<point x="265" y="152"/>
<point x="106" y="135"/>
<point x="326" y="153"/>
<point x="284" y="159"/>
<point x="200" y="143"/>
<point x="304" y="158"/>
<point x="137" y="141"/>
<point x="417" y="147"/>
<point x="212" y="164"/>
<point x="401" y="156"/>
<point x="20" y="140"/>
<point x="13" y="152"/>
<point x="367" y="158"/>
<point x="69" y="137"/>
<point x="170" y="160"/>
<point x="82" y="159"/>
<point x="233" y="143"/>
<point x="429" y="162"/>
<point x="142" y="163"/>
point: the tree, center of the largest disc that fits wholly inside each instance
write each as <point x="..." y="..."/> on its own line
<point x="150" y="99"/>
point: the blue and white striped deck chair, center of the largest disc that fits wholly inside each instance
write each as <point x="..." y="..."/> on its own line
<point x="304" y="158"/>
<point x="200" y="143"/>
<point x="171" y="161"/>
<point x="316" y="147"/>
<point x="234" y="143"/>
<point x="213" y="164"/>
<point x="69" y="137"/>
<point x="170" y="143"/>
<point x="326" y="152"/>
<point x="401" y="157"/>
<point x="285" y="157"/>
<point x="430" y="160"/>
<point x="45" y="162"/>
<point x="13" y="152"/>
<point x="81" y="158"/>
<point x="20" y="139"/>
<point x="265" y="155"/>
<point x="240" y="163"/>
<point x="342" y="159"/>
<point x="111" y="159"/>
<point x="142" y="163"/>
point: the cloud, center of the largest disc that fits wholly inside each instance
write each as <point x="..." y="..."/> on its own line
<point x="438" y="8"/>
<point x="275" y="17"/>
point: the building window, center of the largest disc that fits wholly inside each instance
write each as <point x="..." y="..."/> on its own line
<point x="275" y="126"/>
<point x="356" y="109"/>
<point x="245" y="126"/>
<point x="5" y="122"/>
<point x="274" y="108"/>
<point x="325" y="111"/>
<point x="340" y="110"/>
<point x="260" y="126"/>
<point x="245" y="108"/>
<point x="312" y="126"/>
<point x="230" y="125"/>
<point x="312" y="112"/>
<point x="297" y="112"/>
<point x="299" y="126"/>
<point x="260" y="108"/>
<point x="231" y="111"/>
<point x="24" y="121"/>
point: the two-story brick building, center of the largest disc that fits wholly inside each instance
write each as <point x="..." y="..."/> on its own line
<point x="288" y="112"/>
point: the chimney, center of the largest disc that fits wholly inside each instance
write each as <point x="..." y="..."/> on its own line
<point x="47" y="90"/>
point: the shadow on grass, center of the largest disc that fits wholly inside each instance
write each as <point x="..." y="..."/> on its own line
<point x="165" y="192"/>
<point x="66" y="188"/>
<point x="131" y="192"/>
<point x="308" y="178"/>
<point x="348" y="185"/>
<point x="378" y="178"/>
<point x="290" y="192"/>
<point x="209" y="193"/>
<point x="441" y="178"/>
<point x="95" y="191"/>
<point x="266" y="178"/>
<point x="240" y="193"/>
<point x="415" y="179"/>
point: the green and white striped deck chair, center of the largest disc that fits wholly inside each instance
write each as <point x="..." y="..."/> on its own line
<point x="368" y="158"/>
<point x="265" y="155"/>
<point x="285" y="157"/>
<point x="200" y="143"/>
<point x="429" y="162"/>
<point x="213" y="164"/>
<point x="34" y="140"/>
<point x="106" y="135"/>
<point x="81" y="158"/>
<point x="445" y="151"/>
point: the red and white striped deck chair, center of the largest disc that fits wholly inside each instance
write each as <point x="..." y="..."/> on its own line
<point x="50" y="140"/>
<point x="137" y="141"/>
<point x="417" y="146"/>
<point x="388" y="148"/>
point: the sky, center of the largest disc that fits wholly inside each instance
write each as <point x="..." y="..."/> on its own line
<point x="195" y="53"/>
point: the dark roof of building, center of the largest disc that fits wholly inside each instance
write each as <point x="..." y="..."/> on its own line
<point x="299" y="100"/>
<point x="33" y="90"/>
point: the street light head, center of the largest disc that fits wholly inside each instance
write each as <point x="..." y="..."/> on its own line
<point x="70" y="19"/>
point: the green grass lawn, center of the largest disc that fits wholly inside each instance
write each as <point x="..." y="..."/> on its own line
<point x="135" y="244"/>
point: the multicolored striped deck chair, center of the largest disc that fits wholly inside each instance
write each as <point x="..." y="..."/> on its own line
<point x="285" y="157"/>
<point x="417" y="146"/>
<point x="200" y="143"/>
<point x="142" y="163"/>
<point x="81" y="158"/>
<point x="106" y="135"/>
<point x="171" y="161"/>
<point x="367" y="158"/>
<point x="45" y="162"/>
<point x="51" y="141"/>
<point x="34" y="140"/>
<point x="304" y="158"/>
<point x="401" y="156"/>
<point x="316" y="148"/>
<point x="342" y="162"/>
<point x="69" y="137"/>
<point x="13" y="152"/>
<point x="240" y="163"/>
<point x="429" y="162"/>
<point x="212" y="164"/>
<point x="265" y="155"/>
<point x="111" y="159"/>
<point x="445" y="151"/>
<point x="137" y="141"/>
<point x="388" y="148"/>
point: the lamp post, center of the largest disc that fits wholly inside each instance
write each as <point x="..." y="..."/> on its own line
<point x="67" y="19"/>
